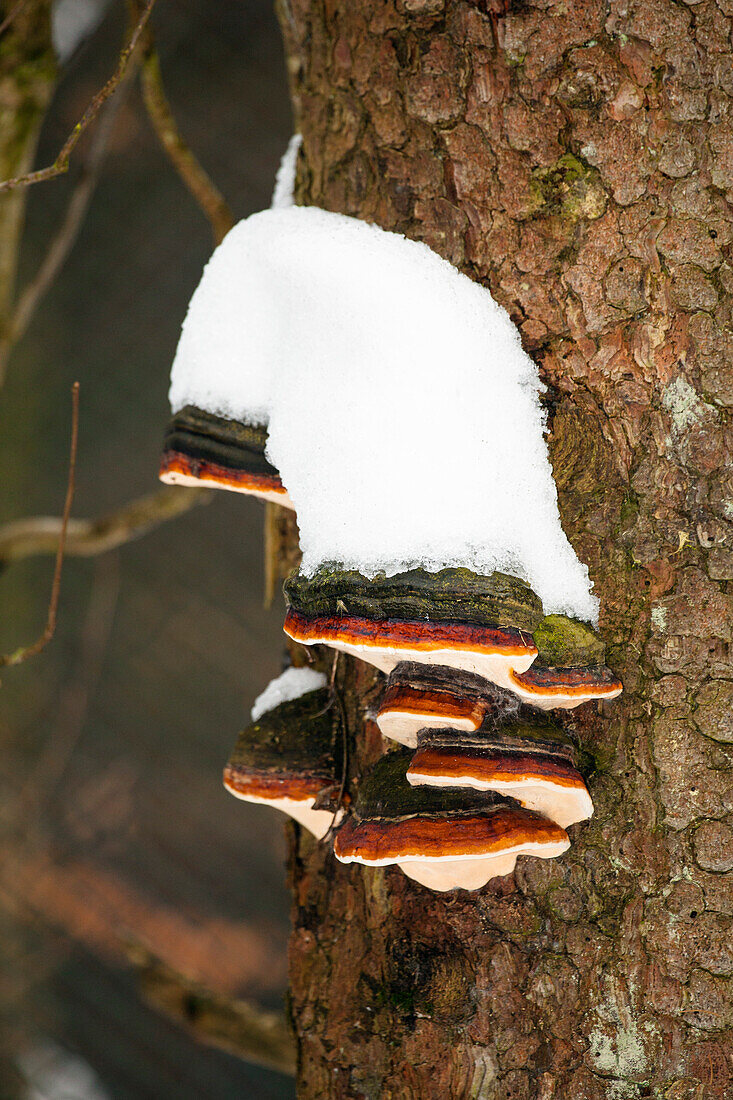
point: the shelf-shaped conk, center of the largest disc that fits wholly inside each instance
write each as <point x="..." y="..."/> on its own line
<point x="290" y="759"/>
<point x="201" y="448"/>
<point x="482" y="626"/>
<point x="443" y="839"/>
<point x="418" y="696"/>
<point x="533" y="764"/>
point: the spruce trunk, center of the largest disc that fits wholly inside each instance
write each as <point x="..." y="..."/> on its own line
<point x="577" y="159"/>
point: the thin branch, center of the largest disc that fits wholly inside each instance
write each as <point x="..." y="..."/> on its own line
<point x="61" y="164"/>
<point x="16" y="10"/>
<point x="24" y="538"/>
<point x="71" y="709"/>
<point x="271" y="545"/>
<point x="68" y="231"/>
<point x="196" y="179"/>
<point x="238" y="1026"/>
<point x="25" y="652"/>
<point x="282" y="549"/>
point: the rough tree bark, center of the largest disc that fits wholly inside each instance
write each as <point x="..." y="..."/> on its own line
<point x="577" y="158"/>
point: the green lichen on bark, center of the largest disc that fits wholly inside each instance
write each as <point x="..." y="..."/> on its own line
<point x="569" y="189"/>
<point x="562" y="642"/>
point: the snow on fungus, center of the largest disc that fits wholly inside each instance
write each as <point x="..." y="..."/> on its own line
<point x="289" y="757"/>
<point x="403" y="415"/>
<point x="283" y="196"/>
<point x="290" y="684"/>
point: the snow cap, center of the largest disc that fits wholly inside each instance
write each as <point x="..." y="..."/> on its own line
<point x="291" y="684"/>
<point x="404" y="416"/>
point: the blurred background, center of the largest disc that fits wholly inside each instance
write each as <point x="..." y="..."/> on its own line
<point x="121" y="853"/>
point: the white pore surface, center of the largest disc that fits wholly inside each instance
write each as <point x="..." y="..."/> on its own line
<point x="291" y="684"/>
<point x="404" y="416"/>
<point x="301" y="810"/>
<point x="282" y="196"/>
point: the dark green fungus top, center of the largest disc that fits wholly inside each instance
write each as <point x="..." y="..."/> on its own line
<point x="451" y="595"/>
<point x="202" y="435"/>
<point x="385" y="792"/>
<point x="299" y="737"/>
<point x="540" y="736"/>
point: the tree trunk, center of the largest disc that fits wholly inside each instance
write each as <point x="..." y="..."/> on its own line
<point x="27" y="78"/>
<point x="577" y="159"/>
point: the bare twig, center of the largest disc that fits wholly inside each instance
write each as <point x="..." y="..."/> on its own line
<point x="15" y="10"/>
<point x="281" y="551"/>
<point x="68" y="231"/>
<point x="196" y="179"/>
<point x="237" y="1026"/>
<point x="86" y="537"/>
<point x="71" y="709"/>
<point x="270" y="548"/>
<point x="61" y="164"/>
<point x="25" y="652"/>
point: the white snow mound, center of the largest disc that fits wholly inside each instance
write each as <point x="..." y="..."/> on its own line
<point x="291" y="684"/>
<point x="404" y="416"/>
<point x="283" y="195"/>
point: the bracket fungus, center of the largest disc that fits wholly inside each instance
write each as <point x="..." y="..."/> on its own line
<point x="480" y="626"/>
<point x="290" y="759"/>
<point x="564" y="688"/>
<point x="536" y="766"/>
<point x="203" y="449"/>
<point x="569" y="669"/>
<point x="439" y="697"/>
<point x="445" y="840"/>
<point x="464" y="590"/>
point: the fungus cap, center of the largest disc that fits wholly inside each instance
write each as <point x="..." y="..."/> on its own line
<point x="446" y="840"/>
<point x="288" y="759"/>
<point x="438" y="697"/>
<point x="433" y="848"/>
<point x="493" y="653"/>
<point x="564" y="688"/>
<point x="202" y="449"/>
<point x="479" y="624"/>
<point x="544" y="781"/>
